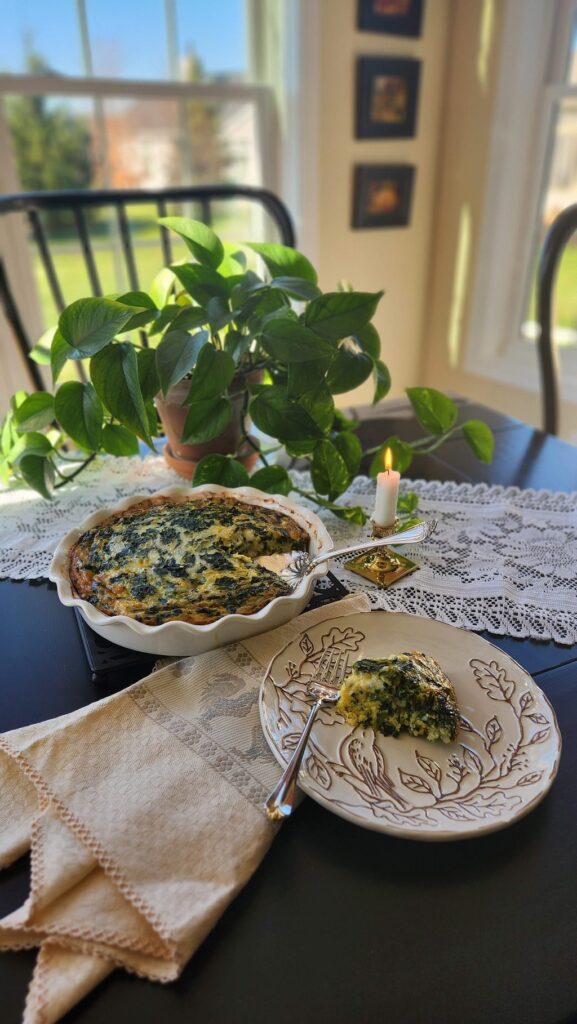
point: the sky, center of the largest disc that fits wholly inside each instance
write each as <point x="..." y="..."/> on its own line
<point x="128" y="37"/>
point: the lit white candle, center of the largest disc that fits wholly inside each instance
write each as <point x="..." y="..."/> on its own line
<point x="387" y="493"/>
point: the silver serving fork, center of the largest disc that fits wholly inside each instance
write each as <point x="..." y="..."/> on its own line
<point x="325" y="688"/>
<point x="295" y="565"/>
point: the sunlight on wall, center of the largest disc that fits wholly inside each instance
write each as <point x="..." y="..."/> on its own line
<point x="459" y="290"/>
<point x="397" y="259"/>
<point x="486" y="34"/>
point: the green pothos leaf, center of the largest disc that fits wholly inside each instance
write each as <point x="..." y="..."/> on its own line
<point x="221" y="469"/>
<point x="79" y="412"/>
<point x="38" y="472"/>
<point x="114" y="372"/>
<point x="117" y="440"/>
<point x="206" y="419"/>
<point x="329" y="471"/>
<point x="272" y="479"/>
<point x="435" y="411"/>
<point x="402" y="456"/>
<point x="480" y="438"/>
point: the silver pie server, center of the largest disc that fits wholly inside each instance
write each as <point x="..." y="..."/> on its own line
<point x="293" y="566"/>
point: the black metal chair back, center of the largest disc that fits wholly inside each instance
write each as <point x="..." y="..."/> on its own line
<point x="558" y="235"/>
<point x="33" y="204"/>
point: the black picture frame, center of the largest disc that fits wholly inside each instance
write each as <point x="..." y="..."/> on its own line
<point x="387" y="97"/>
<point x="391" y="17"/>
<point x="382" y="195"/>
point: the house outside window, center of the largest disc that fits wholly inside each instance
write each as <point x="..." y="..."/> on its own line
<point x="140" y="95"/>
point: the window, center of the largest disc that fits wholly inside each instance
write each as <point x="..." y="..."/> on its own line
<point x="532" y="176"/>
<point x="142" y="94"/>
<point x="559" y="191"/>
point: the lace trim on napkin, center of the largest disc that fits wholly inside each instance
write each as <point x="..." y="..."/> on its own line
<point x="502" y="558"/>
<point x="85" y="836"/>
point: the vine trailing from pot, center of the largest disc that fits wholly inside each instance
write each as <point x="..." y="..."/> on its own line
<point x="222" y="347"/>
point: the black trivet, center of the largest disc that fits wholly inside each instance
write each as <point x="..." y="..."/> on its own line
<point x="108" y="662"/>
<point x="327" y="589"/>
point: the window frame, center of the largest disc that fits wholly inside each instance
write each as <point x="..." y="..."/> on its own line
<point x="125" y="88"/>
<point x="269" y="149"/>
<point x="529" y="89"/>
<point x="13" y="243"/>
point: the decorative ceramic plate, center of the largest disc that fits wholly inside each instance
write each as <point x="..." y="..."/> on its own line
<point x="179" y="638"/>
<point x="501" y="764"/>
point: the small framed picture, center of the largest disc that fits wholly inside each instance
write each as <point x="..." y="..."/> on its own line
<point x="387" y="97"/>
<point x="393" y="17"/>
<point x="382" y="195"/>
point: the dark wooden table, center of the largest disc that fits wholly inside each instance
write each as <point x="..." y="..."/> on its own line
<point x="340" y="924"/>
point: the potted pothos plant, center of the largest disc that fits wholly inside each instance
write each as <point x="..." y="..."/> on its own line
<point x="222" y="347"/>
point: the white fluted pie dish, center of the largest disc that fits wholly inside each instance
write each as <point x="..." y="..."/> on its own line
<point x="179" y="638"/>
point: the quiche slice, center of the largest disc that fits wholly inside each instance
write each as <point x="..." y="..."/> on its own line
<point x="164" y="560"/>
<point x="407" y="692"/>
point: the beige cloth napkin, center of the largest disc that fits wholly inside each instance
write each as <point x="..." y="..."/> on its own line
<point x="143" y="814"/>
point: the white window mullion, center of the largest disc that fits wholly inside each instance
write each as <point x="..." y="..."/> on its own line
<point x="258" y="97"/>
<point x="530" y="93"/>
<point x="513" y="187"/>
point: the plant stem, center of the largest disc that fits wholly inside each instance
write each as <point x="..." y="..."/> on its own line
<point x="423" y="445"/>
<point x="246" y="437"/>
<point x="322" y="502"/>
<point x="71" y="476"/>
<point x="245" y="434"/>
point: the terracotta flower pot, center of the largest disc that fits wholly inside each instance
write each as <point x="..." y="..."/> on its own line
<point x="184" y="457"/>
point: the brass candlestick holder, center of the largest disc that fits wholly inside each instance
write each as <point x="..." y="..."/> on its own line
<point x="385" y="531"/>
<point x="383" y="566"/>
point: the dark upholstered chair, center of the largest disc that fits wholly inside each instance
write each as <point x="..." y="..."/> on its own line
<point x="558" y="235"/>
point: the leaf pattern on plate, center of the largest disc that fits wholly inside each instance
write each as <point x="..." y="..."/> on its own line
<point x="472" y="761"/>
<point x="290" y="740"/>
<point x="493" y="730"/>
<point x="318" y="771"/>
<point x="342" y="639"/>
<point x="530" y="779"/>
<point x="414" y="782"/>
<point x="429" y="766"/>
<point x="540" y="737"/>
<point x="306" y="645"/>
<point x="486" y="775"/>
<point x="493" y="679"/>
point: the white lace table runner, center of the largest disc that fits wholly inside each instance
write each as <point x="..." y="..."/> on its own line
<point x="501" y="559"/>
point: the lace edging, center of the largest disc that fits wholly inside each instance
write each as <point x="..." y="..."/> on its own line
<point x="493" y="614"/>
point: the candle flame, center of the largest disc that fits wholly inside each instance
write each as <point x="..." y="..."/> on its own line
<point x="388" y="460"/>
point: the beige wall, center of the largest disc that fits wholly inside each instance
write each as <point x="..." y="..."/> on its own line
<point x="463" y="168"/>
<point x="394" y="259"/>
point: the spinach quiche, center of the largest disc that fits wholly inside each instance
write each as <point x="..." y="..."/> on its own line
<point x="193" y="560"/>
<point x="407" y="692"/>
